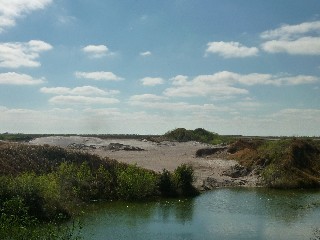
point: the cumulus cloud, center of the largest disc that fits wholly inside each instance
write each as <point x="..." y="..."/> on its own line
<point x="22" y="54"/>
<point x="84" y="91"/>
<point x="13" y="78"/>
<point x="225" y="84"/>
<point x="98" y="76"/>
<point x="145" y="54"/>
<point x="81" y="100"/>
<point x="96" y="51"/>
<point x="151" y="81"/>
<point x="300" y="39"/>
<point x="231" y="49"/>
<point x="11" y="10"/>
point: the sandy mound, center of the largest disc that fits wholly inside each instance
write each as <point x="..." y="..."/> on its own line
<point x="210" y="171"/>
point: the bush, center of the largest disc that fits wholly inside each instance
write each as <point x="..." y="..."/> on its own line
<point x="199" y="134"/>
<point x="17" y="224"/>
<point x="134" y="183"/>
<point x="183" y="178"/>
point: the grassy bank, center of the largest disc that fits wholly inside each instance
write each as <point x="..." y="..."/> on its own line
<point x="289" y="163"/>
<point x="46" y="184"/>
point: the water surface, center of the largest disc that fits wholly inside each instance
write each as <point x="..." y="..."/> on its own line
<point x="218" y="214"/>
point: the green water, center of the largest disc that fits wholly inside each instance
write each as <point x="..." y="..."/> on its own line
<point x="219" y="214"/>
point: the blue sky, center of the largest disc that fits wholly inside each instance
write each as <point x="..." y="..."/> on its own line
<point x="91" y="66"/>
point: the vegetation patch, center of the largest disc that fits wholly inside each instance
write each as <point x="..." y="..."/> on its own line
<point x="290" y="163"/>
<point x="199" y="134"/>
<point x="47" y="185"/>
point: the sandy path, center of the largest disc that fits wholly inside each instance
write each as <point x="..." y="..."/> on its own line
<point x="157" y="156"/>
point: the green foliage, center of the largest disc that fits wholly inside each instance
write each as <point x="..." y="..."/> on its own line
<point x="135" y="183"/>
<point x="178" y="183"/>
<point x="17" y="224"/>
<point x="167" y="186"/>
<point x="183" y="178"/>
<point x="199" y="134"/>
<point x="81" y="182"/>
<point x="46" y="185"/>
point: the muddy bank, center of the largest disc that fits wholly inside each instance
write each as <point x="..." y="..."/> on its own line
<point x="211" y="171"/>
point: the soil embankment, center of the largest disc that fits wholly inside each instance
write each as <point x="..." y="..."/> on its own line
<point x="210" y="171"/>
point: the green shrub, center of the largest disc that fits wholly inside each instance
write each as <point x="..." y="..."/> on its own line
<point x="199" y="134"/>
<point x="17" y="224"/>
<point x="183" y="177"/>
<point x="134" y="183"/>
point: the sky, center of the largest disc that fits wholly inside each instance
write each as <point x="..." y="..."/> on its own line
<point x="146" y="66"/>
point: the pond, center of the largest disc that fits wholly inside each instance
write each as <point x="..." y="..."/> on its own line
<point x="218" y="214"/>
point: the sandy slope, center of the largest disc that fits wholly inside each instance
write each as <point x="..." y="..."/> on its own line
<point x="157" y="156"/>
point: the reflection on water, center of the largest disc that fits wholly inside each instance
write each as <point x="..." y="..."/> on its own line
<point x="219" y="214"/>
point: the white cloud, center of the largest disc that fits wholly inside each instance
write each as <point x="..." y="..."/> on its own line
<point x="218" y="84"/>
<point x="301" y="46"/>
<point x="223" y="84"/>
<point x="96" y="51"/>
<point x="151" y="81"/>
<point x="83" y="91"/>
<point x="22" y="54"/>
<point x="231" y="49"/>
<point x="292" y="31"/>
<point x="145" y="54"/>
<point x="276" y="80"/>
<point x="12" y="78"/>
<point x="300" y="39"/>
<point x="11" y="10"/>
<point x="98" y="76"/>
<point x="179" y="80"/>
<point x="81" y="100"/>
